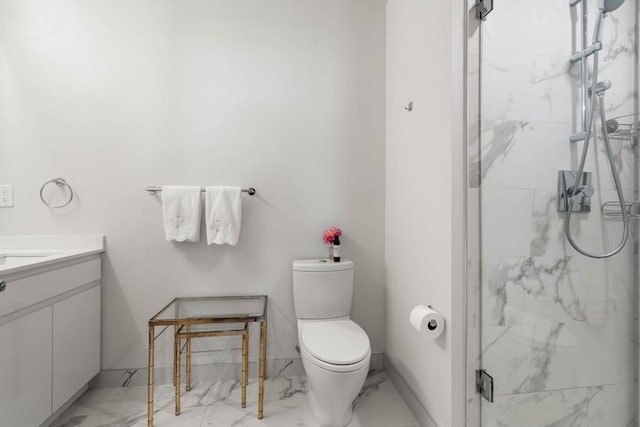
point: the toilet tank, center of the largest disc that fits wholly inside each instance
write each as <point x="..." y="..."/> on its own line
<point x="322" y="289"/>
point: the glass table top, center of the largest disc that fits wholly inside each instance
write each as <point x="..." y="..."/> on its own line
<point x="212" y="308"/>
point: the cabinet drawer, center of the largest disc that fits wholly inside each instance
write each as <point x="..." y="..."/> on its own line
<point x="27" y="291"/>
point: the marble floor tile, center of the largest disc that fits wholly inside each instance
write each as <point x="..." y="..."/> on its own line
<point x="162" y="418"/>
<point x="380" y="405"/>
<point x="118" y="400"/>
<point x="281" y="413"/>
<point x="218" y="404"/>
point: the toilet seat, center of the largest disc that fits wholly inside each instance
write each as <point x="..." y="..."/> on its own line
<point x="336" y="345"/>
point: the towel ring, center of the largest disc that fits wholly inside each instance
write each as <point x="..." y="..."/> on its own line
<point x="60" y="182"/>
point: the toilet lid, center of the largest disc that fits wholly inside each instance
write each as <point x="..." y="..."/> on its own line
<point x="339" y="342"/>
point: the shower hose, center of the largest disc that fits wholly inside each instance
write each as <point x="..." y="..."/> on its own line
<point x="573" y="191"/>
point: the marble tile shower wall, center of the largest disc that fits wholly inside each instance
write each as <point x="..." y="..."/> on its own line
<point x="557" y="329"/>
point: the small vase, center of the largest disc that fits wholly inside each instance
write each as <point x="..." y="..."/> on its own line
<point x="330" y="253"/>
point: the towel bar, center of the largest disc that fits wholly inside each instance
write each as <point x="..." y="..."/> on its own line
<point x="152" y="190"/>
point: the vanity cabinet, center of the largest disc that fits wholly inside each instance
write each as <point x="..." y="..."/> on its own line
<point x="25" y="369"/>
<point x="76" y="344"/>
<point x="49" y="341"/>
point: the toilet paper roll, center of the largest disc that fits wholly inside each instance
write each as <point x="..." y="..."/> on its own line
<point x="427" y="320"/>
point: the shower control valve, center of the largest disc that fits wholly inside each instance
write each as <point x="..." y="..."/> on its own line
<point x="580" y="190"/>
<point x="572" y="194"/>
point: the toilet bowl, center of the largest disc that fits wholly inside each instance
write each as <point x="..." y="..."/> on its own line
<point x="335" y="356"/>
<point x="335" y="351"/>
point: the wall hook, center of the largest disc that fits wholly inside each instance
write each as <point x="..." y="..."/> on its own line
<point x="409" y="107"/>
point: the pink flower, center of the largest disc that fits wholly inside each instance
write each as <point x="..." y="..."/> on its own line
<point x="330" y="235"/>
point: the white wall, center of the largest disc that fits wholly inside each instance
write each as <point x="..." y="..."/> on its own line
<point x="284" y="96"/>
<point x="423" y="233"/>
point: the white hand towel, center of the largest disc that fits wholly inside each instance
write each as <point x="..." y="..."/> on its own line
<point x="181" y="207"/>
<point x="223" y="214"/>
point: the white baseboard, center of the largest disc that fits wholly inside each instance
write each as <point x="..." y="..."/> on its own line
<point x="208" y="373"/>
<point x="53" y="417"/>
<point x="408" y="395"/>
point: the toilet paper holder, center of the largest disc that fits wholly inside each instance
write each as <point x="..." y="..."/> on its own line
<point x="432" y="324"/>
<point x="427" y="320"/>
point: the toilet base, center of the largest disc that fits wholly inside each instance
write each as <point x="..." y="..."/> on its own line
<point x="331" y="394"/>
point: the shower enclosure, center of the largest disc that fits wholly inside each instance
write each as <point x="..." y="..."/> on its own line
<point x="552" y="333"/>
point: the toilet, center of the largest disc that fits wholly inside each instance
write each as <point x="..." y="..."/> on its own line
<point x="335" y="351"/>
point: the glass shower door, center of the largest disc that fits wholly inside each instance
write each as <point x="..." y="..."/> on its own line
<point x="557" y="330"/>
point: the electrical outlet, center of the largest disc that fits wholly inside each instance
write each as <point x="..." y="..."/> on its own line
<point x="6" y="196"/>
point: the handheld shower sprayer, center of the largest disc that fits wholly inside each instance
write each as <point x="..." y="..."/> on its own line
<point x="605" y="6"/>
<point x="579" y="190"/>
<point x="609" y="5"/>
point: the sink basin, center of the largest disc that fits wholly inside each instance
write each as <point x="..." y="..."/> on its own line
<point x="22" y="258"/>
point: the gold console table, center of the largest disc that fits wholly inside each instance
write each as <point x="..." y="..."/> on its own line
<point x="198" y="317"/>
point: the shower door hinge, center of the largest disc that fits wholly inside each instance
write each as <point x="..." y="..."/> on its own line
<point x="484" y="384"/>
<point x="483" y="8"/>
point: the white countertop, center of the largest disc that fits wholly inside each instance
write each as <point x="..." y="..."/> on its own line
<point x="20" y="253"/>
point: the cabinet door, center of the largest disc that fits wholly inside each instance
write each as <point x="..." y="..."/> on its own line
<point x="76" y="344"/>
<point x="25" y="370"/>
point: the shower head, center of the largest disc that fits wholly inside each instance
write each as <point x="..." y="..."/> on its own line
<point x="609" y="5"/>
<point x="605" y="7"/>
